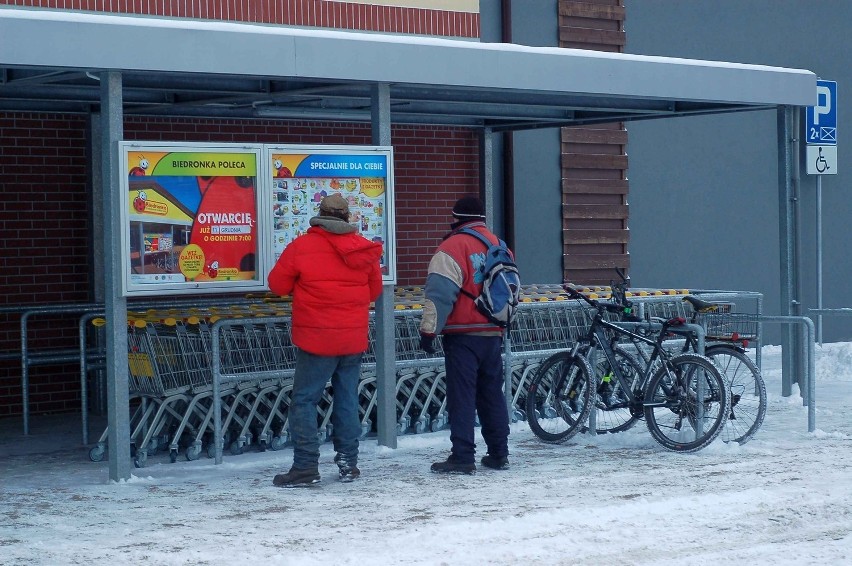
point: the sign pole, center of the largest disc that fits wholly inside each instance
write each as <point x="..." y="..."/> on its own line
<point x="819" y="255"/>
<point x="821" y="159"/>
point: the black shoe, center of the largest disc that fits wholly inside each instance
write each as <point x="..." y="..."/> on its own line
<point x="495" y="462"/>
<point x="297" y="478"/>
<point x="450" y="466"/>
<point x="348" y="469"/>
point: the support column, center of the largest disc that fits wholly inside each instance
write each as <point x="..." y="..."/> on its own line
<point x="118" y="410"/>
<point x="788" y="240"/>
<point x="385" y="345"/>
<point x="486" y="175"/>
<point x="486" y="189"/>
<point x="96" y="254"/>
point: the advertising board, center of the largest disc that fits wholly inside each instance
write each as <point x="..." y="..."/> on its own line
<point x="213" y="218"/>
<point x="301" y="177"/>
<point x="191" y="218"/>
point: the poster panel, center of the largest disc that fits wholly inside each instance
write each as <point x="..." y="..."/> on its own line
<point x="301" y="176"/>
<point x="190" y="220"/>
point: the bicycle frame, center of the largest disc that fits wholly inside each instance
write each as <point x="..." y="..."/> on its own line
<point x="599" y="340"/>
<point x="598" y="335"/>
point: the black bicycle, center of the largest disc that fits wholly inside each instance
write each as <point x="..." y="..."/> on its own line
<point x="727" y="337"/>
<point x="683" y="398"/>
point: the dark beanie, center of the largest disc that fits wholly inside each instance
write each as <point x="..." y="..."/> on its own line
<point x="468" y="208"/>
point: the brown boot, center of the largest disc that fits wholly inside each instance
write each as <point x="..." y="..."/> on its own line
<point x="297" y="478"/>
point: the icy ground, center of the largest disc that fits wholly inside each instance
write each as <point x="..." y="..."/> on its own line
<point x="783" y="498"/>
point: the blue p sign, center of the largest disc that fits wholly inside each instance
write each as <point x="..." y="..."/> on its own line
<point x="821" y="120"/>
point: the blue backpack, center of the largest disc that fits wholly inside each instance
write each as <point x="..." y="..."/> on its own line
<point x="501" y="282"/>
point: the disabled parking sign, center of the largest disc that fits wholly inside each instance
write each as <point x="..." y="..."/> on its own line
<point x="821" y="131"/>
<point x="821" y="120"/>
<point x="821" y="159"/>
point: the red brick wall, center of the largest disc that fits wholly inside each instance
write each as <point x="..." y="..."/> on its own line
<point x="319" y="13"/>
<point x="44" y="215"/>
<point x="43" y="206"/>
<point x="43" y="219"/>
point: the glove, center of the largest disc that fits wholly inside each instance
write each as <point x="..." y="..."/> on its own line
<point x="427" y="343"/>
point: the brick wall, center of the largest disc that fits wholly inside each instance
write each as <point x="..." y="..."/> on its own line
<point x="318" y="13"/>
<point x="44" y="215"/>
<point x="43" y="168"/>
<point x="43" y="219"/>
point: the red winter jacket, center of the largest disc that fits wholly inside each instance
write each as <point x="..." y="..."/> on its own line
<point x="454" y="267"/>
<point x="333" y="277"/>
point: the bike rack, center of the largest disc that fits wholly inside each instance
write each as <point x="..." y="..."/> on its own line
<point x="808" y="334"/>
<point x="829" y="312"/>
<point x="46" y="358"/>
<point x="88" y="361"/>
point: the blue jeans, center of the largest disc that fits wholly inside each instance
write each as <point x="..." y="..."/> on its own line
<point x="312" y="374"/>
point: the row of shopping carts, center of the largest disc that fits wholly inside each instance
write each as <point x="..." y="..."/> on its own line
<point x="170" y="371"/>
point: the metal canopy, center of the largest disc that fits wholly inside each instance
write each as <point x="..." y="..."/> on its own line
<point x="50" y="60"/>
<point x="54" y="61"/>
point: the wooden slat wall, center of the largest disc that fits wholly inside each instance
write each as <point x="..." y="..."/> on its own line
<point x="594" y="163"/>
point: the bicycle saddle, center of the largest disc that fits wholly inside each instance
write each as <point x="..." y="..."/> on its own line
<point x="699" y="305"/>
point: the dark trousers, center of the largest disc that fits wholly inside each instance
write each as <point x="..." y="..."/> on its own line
<point x="475" y="385"/>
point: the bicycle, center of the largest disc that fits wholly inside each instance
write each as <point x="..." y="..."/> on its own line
<point x="728" y="351"/>
<point x="683" y="398"/>
<point x="613" y="414"/>
<point x="728" y="334"/>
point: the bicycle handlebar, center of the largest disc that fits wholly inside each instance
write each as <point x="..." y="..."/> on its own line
<point x="666" y="324"/>
<point x="609" y="307"/>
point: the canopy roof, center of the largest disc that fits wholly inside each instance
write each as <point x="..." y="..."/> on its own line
<point x="49" y="61"/>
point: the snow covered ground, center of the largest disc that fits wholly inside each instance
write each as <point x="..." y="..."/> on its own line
<point x="783" y="498"/>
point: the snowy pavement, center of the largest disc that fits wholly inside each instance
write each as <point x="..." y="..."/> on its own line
<point x="783" y="498"/>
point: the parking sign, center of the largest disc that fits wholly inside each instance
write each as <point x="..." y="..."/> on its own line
<point x="821" y="120"/>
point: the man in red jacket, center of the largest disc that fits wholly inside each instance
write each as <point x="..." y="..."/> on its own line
<point x="472" y="344"/>
<point x="333" y="274"/>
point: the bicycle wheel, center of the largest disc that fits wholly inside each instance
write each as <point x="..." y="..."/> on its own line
<point x="675" y="417"/>
<point x="613" y="411"/>
<point x="559" y="397"/>
<point x="748" y="392"/>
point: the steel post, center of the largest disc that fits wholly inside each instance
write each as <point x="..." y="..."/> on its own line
<point x="386" y="427"/>
<point x="787" y="237"/>
<point x="118" y="398"/>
